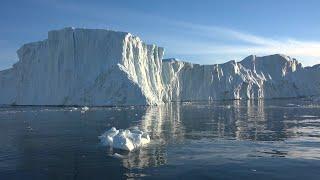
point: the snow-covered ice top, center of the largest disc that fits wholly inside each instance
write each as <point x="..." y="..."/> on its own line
<point x="124" y="139"/>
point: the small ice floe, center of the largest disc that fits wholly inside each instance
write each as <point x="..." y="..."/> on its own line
<point x="186" y="103"/>
<point x="119" y="156"/>
<point x="73" y="109"/>
<point x="84" y="109"/>
<point x="308" y="116"/>
<point x="293" y="105"/>
<point x="124" y="139"/>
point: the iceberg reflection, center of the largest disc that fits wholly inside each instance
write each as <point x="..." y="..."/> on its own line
<point x="253" y="120"/>
<point x="163" y="124"/>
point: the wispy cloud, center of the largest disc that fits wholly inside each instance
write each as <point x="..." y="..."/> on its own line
<point x="181" y="37"/>
<point x="204" y="43"/>
<point x="242" y="44"/>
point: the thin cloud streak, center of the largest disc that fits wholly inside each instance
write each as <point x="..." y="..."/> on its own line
<point x="249" y="44"/>
<point x="185" y="39"/>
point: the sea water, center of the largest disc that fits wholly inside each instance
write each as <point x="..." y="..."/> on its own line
<point x="270" y="139"/>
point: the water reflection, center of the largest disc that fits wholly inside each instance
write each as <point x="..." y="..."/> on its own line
<point x="257" y="121"/>
<point x="250" y="121"/>
<point x="51" y="141"/>
<point x="163" y="123"/>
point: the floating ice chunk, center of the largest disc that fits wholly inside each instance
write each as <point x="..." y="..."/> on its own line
<point x="107" y="137"/>
<point x="308" y="116"/>
<point x="73" y="109"/>
<point x="116" y="155"/>
<point x="145" y="138"/>
<point x="293" y="105"/>
<point x="84" y="109"/>
<point x="124" y="139"/>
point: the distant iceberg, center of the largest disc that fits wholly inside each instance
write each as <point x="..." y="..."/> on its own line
<point x="96" y="67"/>
<point x="124" y="139"/>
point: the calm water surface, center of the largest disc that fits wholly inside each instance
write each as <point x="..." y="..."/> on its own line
<point x="272" y="139"/>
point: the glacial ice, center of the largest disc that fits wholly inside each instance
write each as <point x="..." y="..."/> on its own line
<point x="274" y="76"/>
<point x="95" y="67"/>
<point x="85" y="67"/>
<point x="124" y="139"/>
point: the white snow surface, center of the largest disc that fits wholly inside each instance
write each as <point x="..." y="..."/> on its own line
<point x="124" y="139"/>
<point x="96" y="67"/>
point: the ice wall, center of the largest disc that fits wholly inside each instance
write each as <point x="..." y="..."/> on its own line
<point x="274" y="76"/>
<point x="84" y="67"/>
<point x="102" y="67"/>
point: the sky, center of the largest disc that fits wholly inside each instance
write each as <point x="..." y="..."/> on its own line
<point x="199" y="31"/>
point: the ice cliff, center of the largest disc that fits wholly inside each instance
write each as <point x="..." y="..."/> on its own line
<point x="102" y="67"/>
<point x="274" y="76"/>
<point x="84" y="67"/>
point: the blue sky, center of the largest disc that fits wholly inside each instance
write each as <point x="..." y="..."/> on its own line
<point x="201" y="31"/>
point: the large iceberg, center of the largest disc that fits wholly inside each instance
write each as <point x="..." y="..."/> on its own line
<point x="84" y="67"/>
<point x="95" y="67"/>
<point x="274" y="76"/>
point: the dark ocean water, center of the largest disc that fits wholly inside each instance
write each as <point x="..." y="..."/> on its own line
<point x="271" y="139"/>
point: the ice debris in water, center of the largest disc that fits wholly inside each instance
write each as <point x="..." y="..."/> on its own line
<point x="125" y="139"/>
<point x="84" y="109"/>
<point x="73" y="109"/>
<point x="116" y="155"/>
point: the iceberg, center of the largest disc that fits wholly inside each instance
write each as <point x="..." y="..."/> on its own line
<point x="124" y="139"/>
<point x="84" y="67"/>
<point x="267" y="77"/>
<point x="96" y="67"/>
